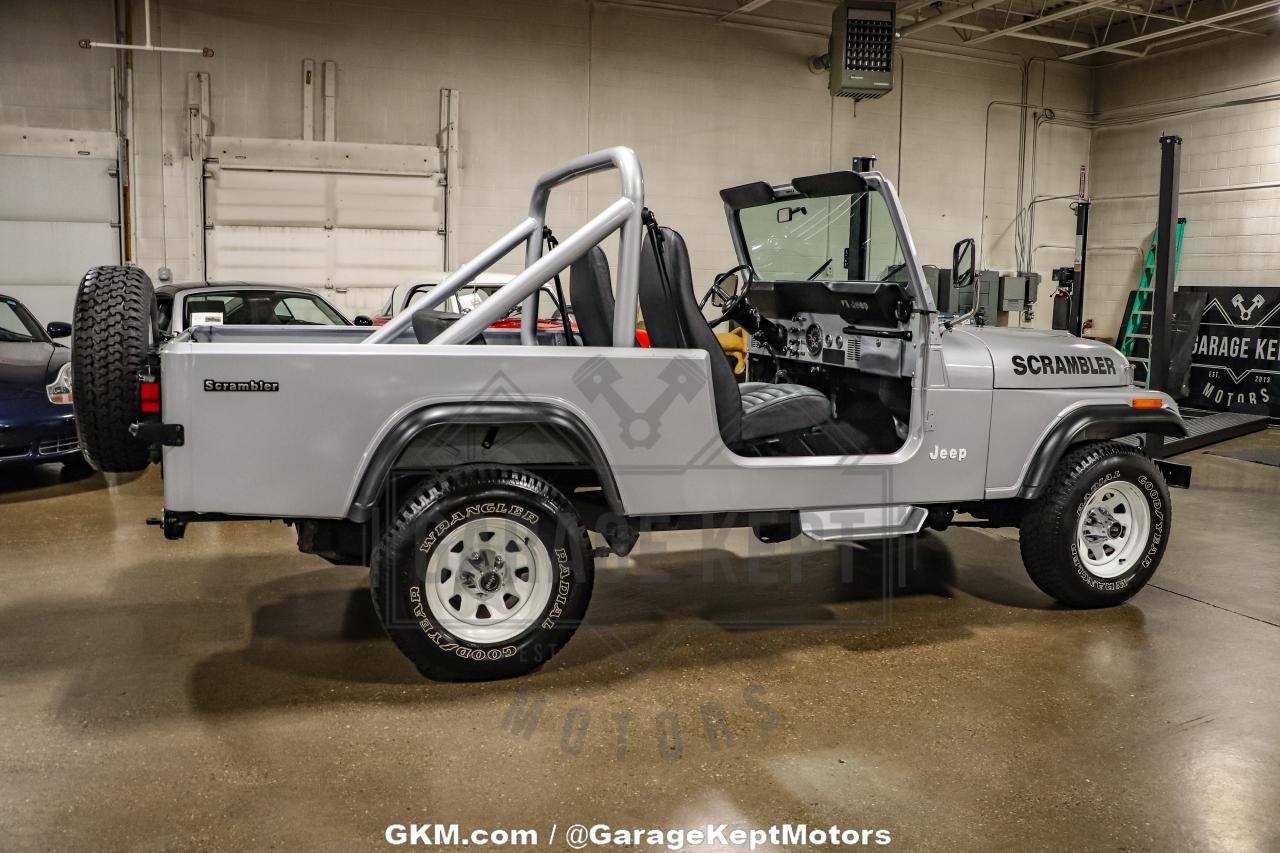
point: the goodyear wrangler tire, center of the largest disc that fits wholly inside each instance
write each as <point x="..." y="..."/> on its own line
<point x="115" y="315"/>
<point x="485" y="573"/>
<point x="1098" y="533"/>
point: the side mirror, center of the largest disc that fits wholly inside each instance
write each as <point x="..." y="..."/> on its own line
<point x="362" y="320"/>
<point x="726" y="288"/>
<point x="58" y="330"/>
<point x="962" y="263"/>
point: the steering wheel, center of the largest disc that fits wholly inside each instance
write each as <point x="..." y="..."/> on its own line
<point x="726" y="296"/>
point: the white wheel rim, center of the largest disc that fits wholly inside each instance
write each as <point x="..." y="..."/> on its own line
<point x="488" y="580"/>
<point x="1113" y="529"/>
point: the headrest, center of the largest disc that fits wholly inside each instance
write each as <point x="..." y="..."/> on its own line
<point x="428" y="324"/>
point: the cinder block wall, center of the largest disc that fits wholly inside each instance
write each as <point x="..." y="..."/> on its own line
<point x="706" y="106"/>
<point x="1230" y="173"/>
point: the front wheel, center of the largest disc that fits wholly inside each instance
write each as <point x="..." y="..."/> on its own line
<point x="486" y="573"/>
<point x="1098" y="533"/>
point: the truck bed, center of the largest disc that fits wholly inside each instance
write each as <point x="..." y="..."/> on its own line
<point x="286" y="335"/>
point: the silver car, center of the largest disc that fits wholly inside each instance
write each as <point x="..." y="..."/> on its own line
<point x="467" y="474"/>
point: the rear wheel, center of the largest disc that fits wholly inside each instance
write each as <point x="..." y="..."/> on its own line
<point x="486" y="573"/>
<point x="115" y="316"/>
<point x="1098" y="533"/>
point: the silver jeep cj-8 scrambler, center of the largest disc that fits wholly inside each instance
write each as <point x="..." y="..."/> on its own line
<point x="467" y="477"/>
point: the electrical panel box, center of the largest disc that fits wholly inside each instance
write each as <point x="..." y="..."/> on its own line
<point x="862" y="35"/>
<point x="938" y="280"/>
<point x="948" y="296"/>
<point x="1019" y="291"/>
<point x="987" y="284"/>
<point x="1013" y="293"/>
<point x="996" y="293"/>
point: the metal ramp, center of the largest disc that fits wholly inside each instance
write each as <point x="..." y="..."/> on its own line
<point x="1204" y="428"/>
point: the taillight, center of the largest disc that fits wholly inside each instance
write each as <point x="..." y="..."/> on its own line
<point x="380" y="321"/>
<point x="150" y="398"/>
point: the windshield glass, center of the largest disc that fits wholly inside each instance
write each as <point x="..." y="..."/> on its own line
<point x="467" y="298"/>
<point x="16" y="325"/>
<point x="834" y="238"/>
<point x="259" y="308"/>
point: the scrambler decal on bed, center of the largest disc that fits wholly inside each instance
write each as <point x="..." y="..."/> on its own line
<point x="245" y="385"/>
<point x="1064" y="365"/>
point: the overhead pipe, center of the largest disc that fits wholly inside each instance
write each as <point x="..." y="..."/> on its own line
<point x="746" y="8"/>
<point x="147" y="45"/>
<point x="1043" y="19"/>
<point x="948" y="17"/>
<point x="779" y="25"/>
<point x="1162" y="16"/>
<point x="1168" y="31"/>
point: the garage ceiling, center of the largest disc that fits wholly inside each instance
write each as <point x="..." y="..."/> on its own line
<point x="1075" y="30"/>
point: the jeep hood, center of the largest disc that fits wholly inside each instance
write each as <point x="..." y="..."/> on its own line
<point x="1031" y="358"/>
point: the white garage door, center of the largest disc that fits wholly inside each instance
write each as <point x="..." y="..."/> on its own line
<point x="351" y="236"/>
<point x="56" y="215"/>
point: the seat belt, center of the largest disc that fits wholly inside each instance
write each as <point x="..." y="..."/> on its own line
<point x="552" y="242"/>
<point x="656" y="240"/>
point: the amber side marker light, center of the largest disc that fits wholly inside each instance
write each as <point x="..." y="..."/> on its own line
<point x="1147" y="403"/>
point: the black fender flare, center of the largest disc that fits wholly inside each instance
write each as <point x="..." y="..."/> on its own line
<point x="1094" y="422"/>
<point x="377" y="472"/>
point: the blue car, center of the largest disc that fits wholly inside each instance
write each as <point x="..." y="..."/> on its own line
<point x="37" y="424"/>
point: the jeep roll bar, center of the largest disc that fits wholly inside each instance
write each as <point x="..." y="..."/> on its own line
<point x="623" y="214"/>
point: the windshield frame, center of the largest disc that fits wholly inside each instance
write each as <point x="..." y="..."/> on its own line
<point x="820" y="186"/>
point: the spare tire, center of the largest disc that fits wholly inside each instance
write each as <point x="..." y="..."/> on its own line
<point x="111" y="336"/>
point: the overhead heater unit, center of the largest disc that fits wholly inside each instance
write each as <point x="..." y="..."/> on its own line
<point x="861" y="58"/>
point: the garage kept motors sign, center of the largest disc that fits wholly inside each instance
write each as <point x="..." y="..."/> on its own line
<point x="1236" y="360"/>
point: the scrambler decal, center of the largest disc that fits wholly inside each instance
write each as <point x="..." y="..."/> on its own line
<point x="247" y="385"/>
<point x="1064" y="365"/>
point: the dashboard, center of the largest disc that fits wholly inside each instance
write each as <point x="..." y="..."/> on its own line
<point x="855" y="325"/>
<point x="874" y="304"/>
<point x="825" y="339"/>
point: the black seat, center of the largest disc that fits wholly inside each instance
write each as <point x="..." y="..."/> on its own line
<point x="761" y="410"/>
<point x="591" y="294"/>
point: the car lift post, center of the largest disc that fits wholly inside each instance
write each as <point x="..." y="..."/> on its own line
<point x="1075" y="316"/>
<point x="1166" y="253"/>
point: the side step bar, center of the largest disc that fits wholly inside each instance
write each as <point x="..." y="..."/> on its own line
<point x="850" y="524"/>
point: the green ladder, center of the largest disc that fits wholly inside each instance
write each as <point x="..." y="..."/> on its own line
<point x="1135" y="332"/>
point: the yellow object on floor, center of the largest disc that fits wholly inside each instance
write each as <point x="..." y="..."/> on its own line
<point x="734" y="345"/>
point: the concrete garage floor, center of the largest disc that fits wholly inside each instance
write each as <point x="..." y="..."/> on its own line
<point x="229" y="693"/>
